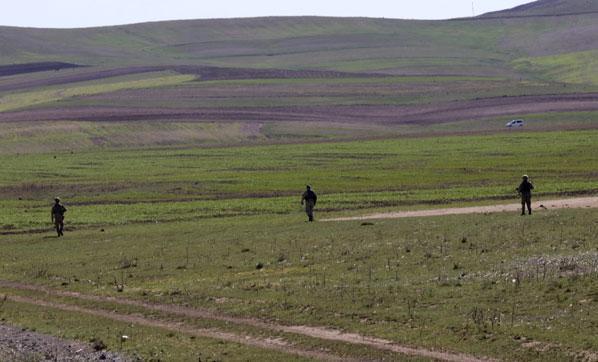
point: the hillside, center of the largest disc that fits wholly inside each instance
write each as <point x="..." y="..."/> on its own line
<point x="346" y="44"/>
<point x="549" y="8"/>
<point x="254" y="79"/>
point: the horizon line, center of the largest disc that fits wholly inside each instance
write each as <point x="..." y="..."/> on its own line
<point x="233" y="18"/>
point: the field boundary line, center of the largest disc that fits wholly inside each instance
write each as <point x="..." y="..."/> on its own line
<point x="573" y="203"/>
<point x="321" y="333"/>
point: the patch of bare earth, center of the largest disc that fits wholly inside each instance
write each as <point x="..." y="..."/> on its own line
<point x="322" y="333"/>
<point x="12" y="69"/>
<point x="17" y="344"/>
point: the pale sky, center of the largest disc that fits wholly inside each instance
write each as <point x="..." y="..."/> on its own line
<point x="86" y="13"/>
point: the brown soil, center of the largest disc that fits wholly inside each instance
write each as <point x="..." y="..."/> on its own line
<point x="322" y="333"/>
<point x="427" y="114"/>
<point x="17" y="344"/>
<point x="575" y="203"/>
<point x="14" y="69"/>
<point x="60" y="78"/>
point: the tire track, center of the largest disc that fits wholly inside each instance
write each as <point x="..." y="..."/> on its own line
<point x="271" y="344"/>
<point x="321" y="333"/>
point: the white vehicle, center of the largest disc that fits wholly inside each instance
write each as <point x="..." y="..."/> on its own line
<point x="515" y="123"/>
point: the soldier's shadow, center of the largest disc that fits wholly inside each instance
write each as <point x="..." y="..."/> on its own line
<point x="50" y="237"/>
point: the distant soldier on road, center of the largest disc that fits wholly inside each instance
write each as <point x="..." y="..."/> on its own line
<point x="58" y="211"/>
<point x="309" y="199"/>
<point x="525" y="191"/>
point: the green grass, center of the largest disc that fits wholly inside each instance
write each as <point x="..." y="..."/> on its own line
<point x="144" y="342"/>
<point x="533" y="122"/>
<point x="198" y="183"/>
<point x="462" y="47"/>
<point x="579" y="67"/>
<point x="66" y="136"/>
<point x="264" y="93"/>
<point x="345" y="81"/>
<point x="412" y="281"/>
<point x="196" y="221"/>
<point x="14" y="101"/>
<point x="40" y="137"/>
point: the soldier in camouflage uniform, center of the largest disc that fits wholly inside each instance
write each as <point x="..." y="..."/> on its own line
<point x="309" y="199"/>
<point x="57" y="213"/>
<point x="525" y="191"/>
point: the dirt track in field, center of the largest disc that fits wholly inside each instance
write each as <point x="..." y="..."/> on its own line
<point x="542" y="205"/>
<point x="271" y="344"/>
<point x="274" y="343"/>
<point x="422" y="114"/>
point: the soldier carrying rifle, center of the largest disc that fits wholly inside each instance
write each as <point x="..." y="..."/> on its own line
<point x="57" y="213"/>
<point x="525" y="191"/>
<point x="309" y="199"/>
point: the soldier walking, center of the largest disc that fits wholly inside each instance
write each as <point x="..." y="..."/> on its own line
<point x="58" y="211"/>
<point x="309" y="199"/>
<point x="525" y="191"/>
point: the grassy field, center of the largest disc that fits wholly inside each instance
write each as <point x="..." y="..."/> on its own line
<point x="466" y="46"/>
<point x="146" y="343"/>
<point x="72" y="136"/>
<point x="191" y="183"/>
<point x="20" y="100"/>
<point x="262" y="93"/>
<point x="188" y="226"/>
<point x="399" y="63"/>
<point x="486" y="285"/>
<point x="576" y="67"/>
<point x="184" y="228"/>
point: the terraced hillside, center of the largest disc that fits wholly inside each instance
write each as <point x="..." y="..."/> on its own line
<point x="300" y="79"/>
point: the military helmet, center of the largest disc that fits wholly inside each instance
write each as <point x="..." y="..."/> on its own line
<point x="57" y="198"/>
<point x="525" y="177"/>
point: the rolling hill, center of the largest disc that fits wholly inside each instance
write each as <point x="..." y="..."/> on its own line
<point x="272" y="72"/>
<point x="549" y="8"/>
<point x="345" y="44"/>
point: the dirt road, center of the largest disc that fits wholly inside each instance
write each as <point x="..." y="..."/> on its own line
<point x="542" y="205"/>
<point x="271" y="343"/>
